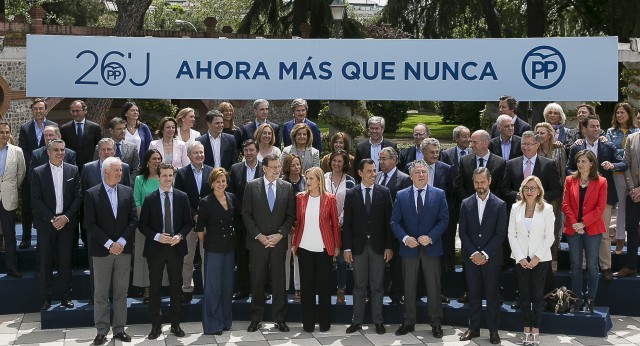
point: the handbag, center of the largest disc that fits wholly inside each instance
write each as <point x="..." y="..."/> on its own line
<point x="562" y="300"/>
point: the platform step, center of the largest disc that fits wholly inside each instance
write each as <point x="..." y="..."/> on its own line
<point x="455" y="314"/>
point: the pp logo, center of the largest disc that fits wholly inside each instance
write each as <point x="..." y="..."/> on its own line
<point x="543" y="67"/>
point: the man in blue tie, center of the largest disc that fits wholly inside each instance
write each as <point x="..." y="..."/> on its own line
<point x="268" y="211"/>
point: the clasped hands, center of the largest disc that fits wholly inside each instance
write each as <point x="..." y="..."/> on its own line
<point x="478" y="259"/>
<point x="412" y="242"/>
<point x="270" y="240"/>
<point x="166" y="238"/>
<point x="59" y="222"/>
<point x="634" y="194"/>
<point x="116" y="248"/>
<point x="529" y="264"/>
<point x="578" y="227"/>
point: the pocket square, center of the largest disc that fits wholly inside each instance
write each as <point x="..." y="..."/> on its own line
<point x="70" y="179"/>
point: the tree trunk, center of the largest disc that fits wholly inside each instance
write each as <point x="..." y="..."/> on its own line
<point x="300" y="10"/>
<point x="491" y="17"/>
<point x="130" y="18"/>
<point x="536" y="18"/>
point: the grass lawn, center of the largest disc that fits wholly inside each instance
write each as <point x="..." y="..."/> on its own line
<point x="442" y="132"/>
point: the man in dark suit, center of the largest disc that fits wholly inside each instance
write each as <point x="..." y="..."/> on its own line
<point x="92" y="171"/>
<point x="516" y="170"/>
<point x="395" y="180"/>
<point x="111" y="220"/>
<point x="80" y="134"/>
<point x="261" y="112"/>
<point x="92" y="175"/>
<point x="506" y="145"/>
<point x="441" y="176"/>
<point x="219" y="147"/>
<point x="413" y="153"/>
<point x="367" y="243"/>
<point x="508" y="105"/>
<point x="31" y="138"/>
<point x="239" y="175"/>
<point x="609" y="162"/>
<point x="165" y="221"/>
<point x="418" y="221"/>
<point x="300" y="108"/>
<point x="268" y="212"/>
<point x="483" y="226"/>
<point x="370" y="148"/>
<point x="451" y="156"/>
<point x="56" y="195"/>
<point x="40" y="156"/>
<point x="193" y="180"/>
<point x="126" y="151"/>
<point x="481" y="157"/>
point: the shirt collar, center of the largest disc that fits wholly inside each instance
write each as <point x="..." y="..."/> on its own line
<point x="364" y="187"/>
<point x="162" y="191"/>
<point x="56" y="167"/>
<point x="486" y="198"/>
<point x="109" y="188"/>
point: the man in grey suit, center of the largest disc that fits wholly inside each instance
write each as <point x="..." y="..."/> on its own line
<point x="110" y="219"/>
<point x="268" y="211"/>
<point x="126" y="151"/>
<point x="395" y="180"/>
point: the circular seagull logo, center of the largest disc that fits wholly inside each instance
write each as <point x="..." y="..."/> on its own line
<point x="543" y="67"/>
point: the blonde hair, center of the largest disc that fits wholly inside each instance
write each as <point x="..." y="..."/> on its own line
<point x="257" y="136"/>
<point x="539" y="197"/>
<point x="319" y="175"/>
<point x="183" y="114"/>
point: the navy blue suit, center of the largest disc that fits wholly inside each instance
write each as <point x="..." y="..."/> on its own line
<point x="495" y="146"/>
<point x="432" y="221"/>
<point x="43" y="200"/>
<point x="484" y="237"/>
<point x="185" y="181"/>
<point x="519" y="127"/>
<point x="228" y="153"/>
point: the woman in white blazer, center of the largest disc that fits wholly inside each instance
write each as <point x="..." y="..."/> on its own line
<point x="173" y="150"/>
<point x="531" y="235"/>
<point x="186" y="118"/>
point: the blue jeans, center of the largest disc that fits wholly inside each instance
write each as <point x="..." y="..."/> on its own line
<point x="590" y="244"/>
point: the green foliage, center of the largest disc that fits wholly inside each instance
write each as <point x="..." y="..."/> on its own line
<point x="465" y="113"/>
<point x="154" y="110"/>
<point x="74" y="12"/>
<point x="350" y="125"/>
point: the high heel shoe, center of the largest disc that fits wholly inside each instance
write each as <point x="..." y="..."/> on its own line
<point x="526" y="340"/>
<point x="535" y="339"/>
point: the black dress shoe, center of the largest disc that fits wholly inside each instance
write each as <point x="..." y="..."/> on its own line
<point x="437" y="332"/>
<point x="156" y="331"/>
<point x="14" y="274"/>
<point x="464" y="298"/>
<point x="122" y="336"/>
<point x="494" y="337"/>
<point x="100" y="339"/>
<point x="380" y="329"/>
<point x="177" y="331"/>
<point x="186" y="297"/>
<point x="25" y="244"/>
<point x="395" y="301"/>
<point x="67" y="303"/>
<point x="588" y="306"/>
<point x="353" y="328"/>
<point x="282" y="326"/>
<point x="240" y="295"/>
<point x="469" y="334"/>
<point x="404" y="329"/>
<point x="45" y="306"/>
<point x="444" y="299"/>
<point x="254" y="326"/>
<point x="217" y="333"/>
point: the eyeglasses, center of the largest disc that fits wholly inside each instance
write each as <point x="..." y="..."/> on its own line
<point x="275" y="167"/>
<point x="418" y="134"/>
<point x="530" y="189"/>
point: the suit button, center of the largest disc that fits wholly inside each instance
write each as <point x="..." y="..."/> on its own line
<point x="480" y="235"/>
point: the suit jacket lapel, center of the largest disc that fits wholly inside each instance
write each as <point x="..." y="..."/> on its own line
<point x="104" y="199"/>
